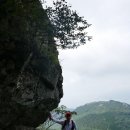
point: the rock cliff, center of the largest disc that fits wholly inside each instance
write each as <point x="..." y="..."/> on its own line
<point x="30" y="73"/>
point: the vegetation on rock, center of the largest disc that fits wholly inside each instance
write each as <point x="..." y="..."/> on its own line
<point x="69" y="29"/>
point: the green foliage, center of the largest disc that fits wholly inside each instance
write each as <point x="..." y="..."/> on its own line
<point x="110" y="115"/>
<point x="104" y="121"/>
<point x="51" y="52"/>
<point x="69" y="29"/>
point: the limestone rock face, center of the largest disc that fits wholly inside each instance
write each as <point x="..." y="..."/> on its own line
<point x="30" y="73"/>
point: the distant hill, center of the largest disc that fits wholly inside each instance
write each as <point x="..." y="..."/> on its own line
<point x="103" y="115"/>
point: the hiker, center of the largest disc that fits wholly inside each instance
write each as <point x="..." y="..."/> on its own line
<point x="67" y="124"/>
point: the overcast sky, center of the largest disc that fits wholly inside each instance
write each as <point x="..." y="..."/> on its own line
<point x="99" y="70"/>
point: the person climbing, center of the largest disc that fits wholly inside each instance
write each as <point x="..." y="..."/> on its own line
<point x="67" y="124"/>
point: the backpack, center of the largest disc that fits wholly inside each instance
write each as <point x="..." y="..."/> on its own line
<point x="63" y="126"/>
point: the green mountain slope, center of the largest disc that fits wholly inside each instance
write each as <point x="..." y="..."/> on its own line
<point x="111" y="115"/>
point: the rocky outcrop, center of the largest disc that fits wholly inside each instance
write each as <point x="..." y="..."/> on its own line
<point x="30" y="74"/>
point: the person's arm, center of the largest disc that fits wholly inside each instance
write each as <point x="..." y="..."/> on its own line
<point x="57" y="121"/>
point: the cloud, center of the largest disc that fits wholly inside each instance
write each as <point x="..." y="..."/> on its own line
<point x="99" y="70"/>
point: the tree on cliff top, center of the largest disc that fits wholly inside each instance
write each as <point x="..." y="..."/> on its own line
<point x="69" y="29"/>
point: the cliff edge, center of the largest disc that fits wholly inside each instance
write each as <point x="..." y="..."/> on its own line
<point x="30" y="73"/>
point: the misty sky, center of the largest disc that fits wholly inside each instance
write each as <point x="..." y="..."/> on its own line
<point x="99" y="70"/>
